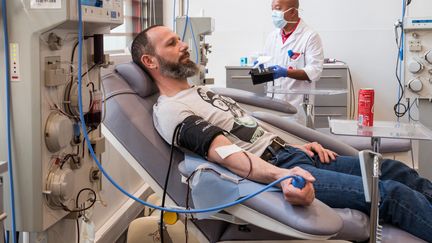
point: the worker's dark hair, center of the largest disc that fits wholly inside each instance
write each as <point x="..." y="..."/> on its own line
<point x="142" y="46"/>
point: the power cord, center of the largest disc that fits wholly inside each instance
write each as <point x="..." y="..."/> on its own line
<point x="92" y="200"/>
<point x="82" y="210"/>
<point x="73" y="54"/>
<point x="67" y="157"/>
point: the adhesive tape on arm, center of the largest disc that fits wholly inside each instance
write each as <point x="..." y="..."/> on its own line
<point x="225" y="151"/>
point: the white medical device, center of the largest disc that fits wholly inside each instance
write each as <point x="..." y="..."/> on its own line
<point x="193" y="31"/>
<point x="418" y="74"/>
<point x="51" y="164"/>
<point x="418" y="57"/>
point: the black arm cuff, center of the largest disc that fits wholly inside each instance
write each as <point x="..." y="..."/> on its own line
<point x="196" y="135"/>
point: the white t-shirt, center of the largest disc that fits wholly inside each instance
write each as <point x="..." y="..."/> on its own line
<point x="218" y="110"/>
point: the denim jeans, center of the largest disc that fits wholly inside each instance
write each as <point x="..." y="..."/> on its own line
<point x="406" y="198"/>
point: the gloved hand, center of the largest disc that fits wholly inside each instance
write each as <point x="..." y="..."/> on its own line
<point x="279" y="72"/>
<point x="260" y="66"/>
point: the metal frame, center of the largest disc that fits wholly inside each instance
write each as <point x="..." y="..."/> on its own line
<point x="3" y="169"/>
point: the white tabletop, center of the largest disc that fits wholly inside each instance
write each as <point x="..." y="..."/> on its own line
<point x="381" y="129"/>
<point x="278" y="90"/>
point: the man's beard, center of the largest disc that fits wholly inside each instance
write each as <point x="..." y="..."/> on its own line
<point x="177" y="70"/>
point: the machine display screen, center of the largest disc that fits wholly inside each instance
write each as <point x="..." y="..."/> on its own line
<point x="93" y="3"/>
<point x="422" y="21"/>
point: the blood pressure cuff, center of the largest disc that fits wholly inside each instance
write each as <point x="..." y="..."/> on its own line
<point x="196" y="135"/>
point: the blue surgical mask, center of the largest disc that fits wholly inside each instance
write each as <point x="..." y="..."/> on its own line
<point x="279" y="19"/>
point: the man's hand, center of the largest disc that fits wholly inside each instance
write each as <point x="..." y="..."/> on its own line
<point x="325" y="155"/>
<point x="294" y="195"/>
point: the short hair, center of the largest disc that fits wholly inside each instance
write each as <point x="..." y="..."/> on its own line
<point x="142" y="46"/>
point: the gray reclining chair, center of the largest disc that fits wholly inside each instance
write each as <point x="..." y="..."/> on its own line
<point x="130" y="95"/>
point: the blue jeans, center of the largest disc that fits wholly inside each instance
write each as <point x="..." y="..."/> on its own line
<point x="406" y="198"/>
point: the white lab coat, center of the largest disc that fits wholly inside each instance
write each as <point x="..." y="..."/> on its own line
<point x="303" y="40"/>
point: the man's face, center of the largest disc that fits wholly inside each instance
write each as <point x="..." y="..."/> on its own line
<point x="171" y="54"/>
<point x="290" y="6"/>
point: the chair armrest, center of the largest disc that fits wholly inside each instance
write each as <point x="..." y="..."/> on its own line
<point x="306" y="133"/>
<point x="253" y="99"/>
<point x="269" y="210"/>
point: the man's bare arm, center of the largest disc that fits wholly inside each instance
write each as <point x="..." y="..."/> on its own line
<point x="264" y="172"/>
<point x="298" y="74"/>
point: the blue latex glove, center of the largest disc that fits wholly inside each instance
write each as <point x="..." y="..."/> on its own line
<point x="279" y="72"/>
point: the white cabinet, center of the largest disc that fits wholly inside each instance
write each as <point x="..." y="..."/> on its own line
<point x="334" y="76"/>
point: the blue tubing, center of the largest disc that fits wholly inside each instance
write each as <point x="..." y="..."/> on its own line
<point x="8" y="119"/>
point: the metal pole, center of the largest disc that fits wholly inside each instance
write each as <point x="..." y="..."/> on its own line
<point x="308" y="109"/>
<point x="375" y="228"/>
<point x="376" y="142"/>
<point x="181" y="8"/>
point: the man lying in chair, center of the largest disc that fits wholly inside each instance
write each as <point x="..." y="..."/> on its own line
<point x="214" y="126"/>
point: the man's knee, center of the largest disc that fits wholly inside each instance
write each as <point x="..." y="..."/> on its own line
<point x="394" y="190"/>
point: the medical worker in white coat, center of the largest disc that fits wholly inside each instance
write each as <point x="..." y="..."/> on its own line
<point x="296" y="51"/>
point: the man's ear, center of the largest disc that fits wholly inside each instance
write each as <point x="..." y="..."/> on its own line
<point x="149" y="61"/>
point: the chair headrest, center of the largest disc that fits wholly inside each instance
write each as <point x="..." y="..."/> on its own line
<point x="139" y="81"/>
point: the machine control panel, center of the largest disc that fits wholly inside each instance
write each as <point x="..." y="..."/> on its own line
<point x="14" y="62"/>
<point x="418" y="57"/>
<point x="418" y="23"/>
<point x="100" y="11"/>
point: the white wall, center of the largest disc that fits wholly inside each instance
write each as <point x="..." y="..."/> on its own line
<point x="358" y="32"/>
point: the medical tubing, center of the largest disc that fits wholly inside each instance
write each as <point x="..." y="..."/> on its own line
<point x="195" y="44"/>
<point x="186" y="22"/>
<point x="165" y="188"/>
<point x="401" y="57"/>
<point x="402" y="42"/>
<point x="174" y="15"/>
<point x="399" y="61"/>
<point x="113" y="182"/>
<point x="8" y="118"/>
<point x="193" y="34"/>
<point x="250" y="167"/>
